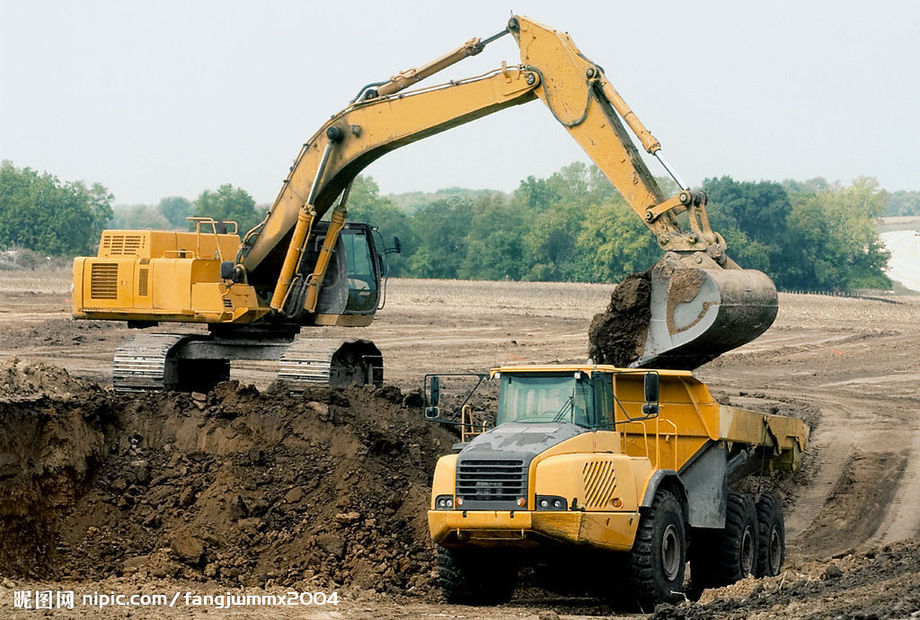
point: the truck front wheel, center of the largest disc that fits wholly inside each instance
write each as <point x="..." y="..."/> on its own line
<point x="472" y="577"/>
<point x="659" y="552"/>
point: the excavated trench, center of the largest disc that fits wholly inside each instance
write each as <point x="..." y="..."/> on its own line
<point x="234" y="486"/>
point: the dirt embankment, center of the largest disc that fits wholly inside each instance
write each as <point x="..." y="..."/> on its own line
<point x="881" y="582"/>
<point x="234" y="486"/>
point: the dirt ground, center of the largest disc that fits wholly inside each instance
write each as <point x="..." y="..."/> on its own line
<point x="249" y="490"/>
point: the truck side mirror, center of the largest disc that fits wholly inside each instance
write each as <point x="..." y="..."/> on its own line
<point x="651" y="394"/>
<point x="434" y="390"/>
<point x="432" y="412"/>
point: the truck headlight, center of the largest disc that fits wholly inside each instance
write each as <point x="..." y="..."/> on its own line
<point x="551" y="502"/>
<point x="444" y="502"/>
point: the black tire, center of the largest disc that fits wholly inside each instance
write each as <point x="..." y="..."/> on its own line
<point x="772" y="529"/>
<point x="659" y="555"/>
<point x="730" y="553"/>
<point x="476" y="578"/>
<point x="701" y="545"/>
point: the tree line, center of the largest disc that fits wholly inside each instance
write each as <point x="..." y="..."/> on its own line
<point x="574" y="226"/>
<point x="570" y="226"/>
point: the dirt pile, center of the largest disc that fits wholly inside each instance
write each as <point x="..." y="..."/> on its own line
<point x="23" y="380"/>
<point x="618" y="334"/>
<point x="233" y="486"/>
<point x="876" y="583"/>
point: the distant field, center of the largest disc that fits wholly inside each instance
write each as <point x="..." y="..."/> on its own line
<point x="899" y="222"/>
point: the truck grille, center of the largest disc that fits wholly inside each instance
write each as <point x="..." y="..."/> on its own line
<point x="492" y="481"/>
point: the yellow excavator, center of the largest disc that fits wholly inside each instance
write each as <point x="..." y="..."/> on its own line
<point x="296" y="269"/>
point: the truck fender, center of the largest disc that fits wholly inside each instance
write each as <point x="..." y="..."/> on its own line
<point x="669" y="479"/>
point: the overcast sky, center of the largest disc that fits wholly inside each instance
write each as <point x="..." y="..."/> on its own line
<point x="164" y="98"/>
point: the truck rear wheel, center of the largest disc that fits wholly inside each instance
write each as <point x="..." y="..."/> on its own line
<point x="772" y="530"/>
<point x="725" y="556"/>
<point x="659" y="553"/>
<point x="475" y="577"/>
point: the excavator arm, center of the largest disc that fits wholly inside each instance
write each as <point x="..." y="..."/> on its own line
<point x="360" y="134"/>
<point x="700" y="302"/>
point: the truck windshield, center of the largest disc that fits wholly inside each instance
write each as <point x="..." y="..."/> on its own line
<point x="535" y="398"/>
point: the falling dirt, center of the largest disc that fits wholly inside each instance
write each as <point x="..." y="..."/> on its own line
<point x="618" y="334"/>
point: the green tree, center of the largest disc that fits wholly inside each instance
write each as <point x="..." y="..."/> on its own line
<point x="365" y="204"/>
<point x="175" y="209"/>
<point x="441" y="230"/>
<point x="903" y="203"/>
<point x="39" y="212"/>
<point x="494" y="244"/>
<point x="228" y="203"/>
<point x="838" y="247"/>
<point x="551" y="241"/>
<point x="753" y="218"/>
<point x="614" y="243"/>
<point x="138" y="217"/>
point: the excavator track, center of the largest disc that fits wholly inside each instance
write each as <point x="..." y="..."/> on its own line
<point x="147" y="362"/>
<point x="152" y="362"/>
<point x="326" y="361"/>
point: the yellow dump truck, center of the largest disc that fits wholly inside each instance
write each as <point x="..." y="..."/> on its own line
<point x="608" y="480"/>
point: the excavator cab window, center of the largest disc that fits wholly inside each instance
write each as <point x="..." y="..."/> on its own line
<point x="363" y="269"/>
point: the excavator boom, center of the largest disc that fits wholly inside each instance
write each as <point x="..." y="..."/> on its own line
<point x="701" y="303"/>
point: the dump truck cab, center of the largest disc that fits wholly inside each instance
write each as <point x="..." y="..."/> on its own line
<point x="630" y="465"/>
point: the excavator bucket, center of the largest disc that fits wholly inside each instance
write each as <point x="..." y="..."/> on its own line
<point x="679" y="316"/>
<point x="698" y="314"/>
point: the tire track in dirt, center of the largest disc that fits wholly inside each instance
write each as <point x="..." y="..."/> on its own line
<point x="863" y="483"/>
<point x="903" y="518"/>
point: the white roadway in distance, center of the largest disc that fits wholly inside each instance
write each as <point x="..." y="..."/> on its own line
<point x="904" y="265"/>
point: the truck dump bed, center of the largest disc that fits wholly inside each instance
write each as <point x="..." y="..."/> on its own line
<point x="690" y="418"/>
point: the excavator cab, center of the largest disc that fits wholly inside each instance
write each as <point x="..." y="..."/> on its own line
<point x="364" y="268"/>
<point x="353" y="283"/>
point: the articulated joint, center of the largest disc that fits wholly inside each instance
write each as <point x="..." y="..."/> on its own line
<point x="700" y="237"/>
<point x="679" y="203"/>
